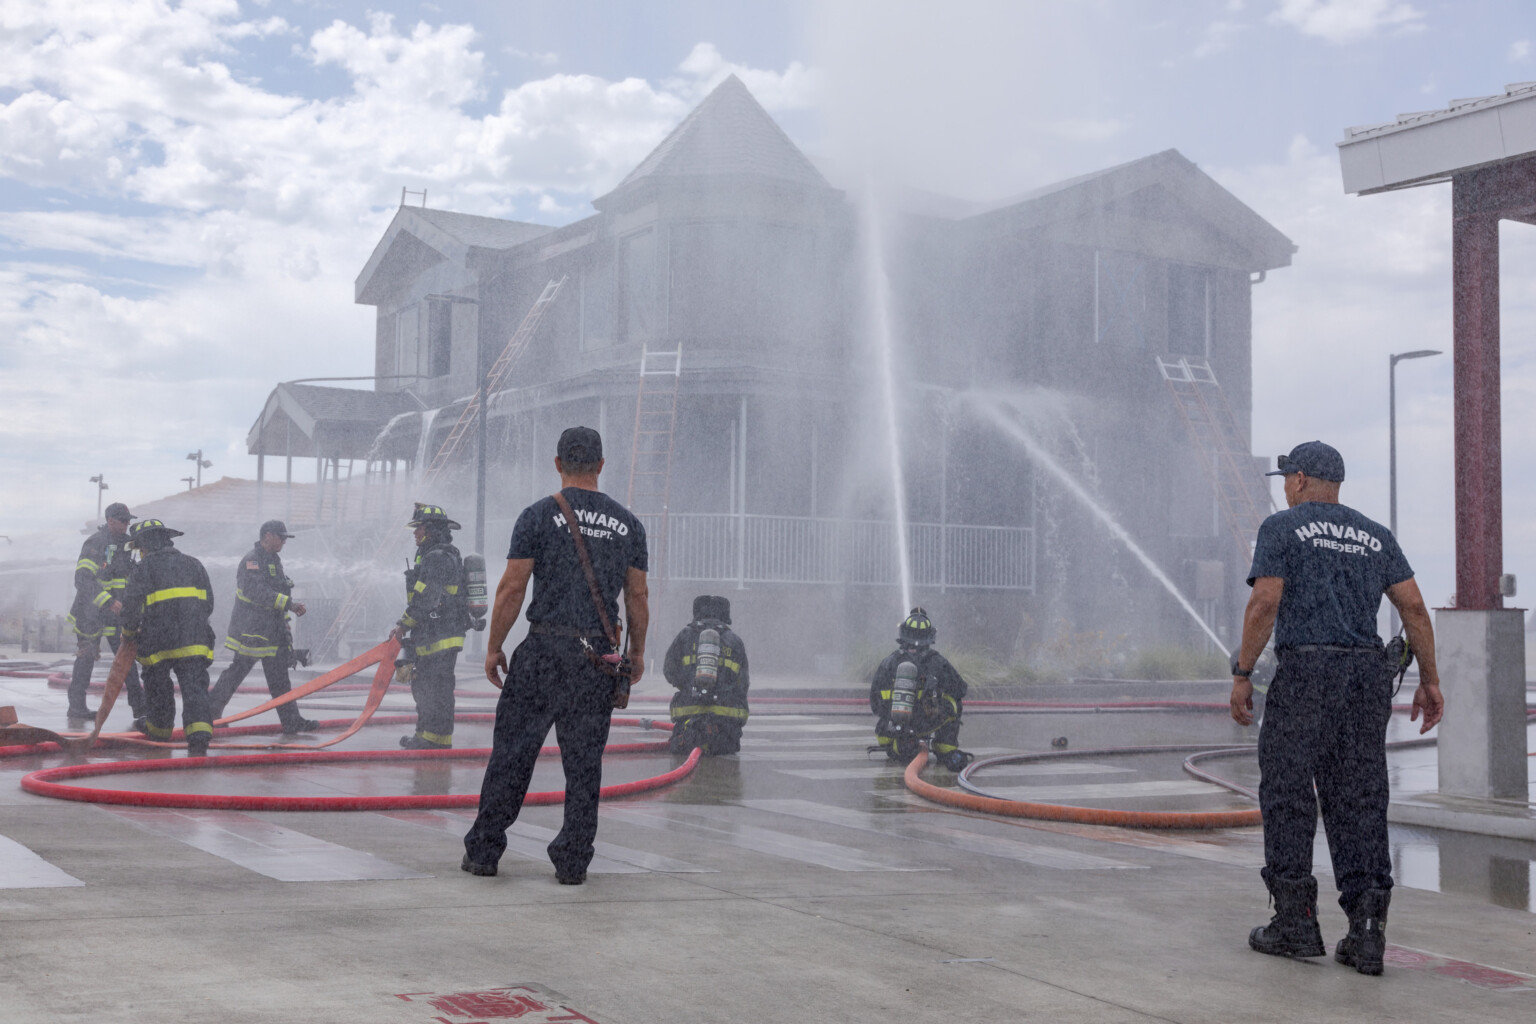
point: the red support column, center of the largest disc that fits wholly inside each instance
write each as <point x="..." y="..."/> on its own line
<point x="1479" y="483"/>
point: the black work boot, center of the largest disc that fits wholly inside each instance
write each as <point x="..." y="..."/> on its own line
<point x="1365" y="946"/>
<point x="1293" y="931"/>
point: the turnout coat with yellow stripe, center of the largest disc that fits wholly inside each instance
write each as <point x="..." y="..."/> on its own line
<point x="435" y="602"/>
<point x="258" y="625"/>
<point x="728" y="698"/>
<point x="166" y="607"/>
<point x="100" y="575"/>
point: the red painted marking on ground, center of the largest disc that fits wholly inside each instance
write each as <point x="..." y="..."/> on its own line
<point x="1480" y="975"/>
<point x="531" y="1004"/>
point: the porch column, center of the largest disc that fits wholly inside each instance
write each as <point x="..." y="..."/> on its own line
<point x="1479" y="483"/>
<point x="261" y="475"/>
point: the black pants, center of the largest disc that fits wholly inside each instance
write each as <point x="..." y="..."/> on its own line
<point x="160" y="695"/>
<point x="715" y="734"/>
<point x="1325" y="725"/>
<point x="548" y="682"/>
<point x="432" y="689"/>
<point x="274" y="668"/>
<point x="80" y="678"/>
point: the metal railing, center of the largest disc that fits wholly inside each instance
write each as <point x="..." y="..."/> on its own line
<point x="793" y="549"/>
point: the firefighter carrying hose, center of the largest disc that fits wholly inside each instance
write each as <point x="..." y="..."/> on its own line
<point x="707" y="663"/>
<point x="259" y="628"/>
<point x="431" y="632"/>
<point x="166" y="606"/>
<point x="918" y="696"/>
<point x="100" y="575"/>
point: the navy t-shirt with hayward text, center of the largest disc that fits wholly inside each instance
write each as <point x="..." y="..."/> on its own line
<point x="1336" y="565"/>
<point x="615" y="541"/>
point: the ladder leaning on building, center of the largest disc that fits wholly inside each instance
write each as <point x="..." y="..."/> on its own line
<point x="1224" y="455"/>
<point x="650" y="456"/>
<point x="495" y="380"/>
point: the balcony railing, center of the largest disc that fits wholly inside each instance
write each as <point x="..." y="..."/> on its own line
<point x="791" y="549"/>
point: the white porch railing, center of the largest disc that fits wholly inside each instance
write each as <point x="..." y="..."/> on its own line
<point x="793" y="549"/>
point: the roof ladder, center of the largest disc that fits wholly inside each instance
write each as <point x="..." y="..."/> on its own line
<point x="495" y="380"/>
<point x="1213" y="428"/>
<point x="650" y="459"/>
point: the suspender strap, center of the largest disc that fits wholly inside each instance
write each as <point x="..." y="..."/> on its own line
<point x="611" y="634"/>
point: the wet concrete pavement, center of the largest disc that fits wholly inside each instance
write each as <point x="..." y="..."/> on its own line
<point x="797" y="881"/>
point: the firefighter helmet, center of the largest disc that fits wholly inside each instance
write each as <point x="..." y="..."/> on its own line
<point x="706" y="606"/>
<point x="430" y="515"/>
<point x="146" y="529"/>
<point x="916" y="628"/>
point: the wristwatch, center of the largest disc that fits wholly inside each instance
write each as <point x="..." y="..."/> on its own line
<point x="1241" y="673"/>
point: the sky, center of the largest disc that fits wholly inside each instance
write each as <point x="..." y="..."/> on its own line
<point x="188" y="191"/>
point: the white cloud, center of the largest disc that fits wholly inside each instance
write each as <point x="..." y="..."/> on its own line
<point x="1345" y="21"/>
<point x="1217" y="37"/>
<point x="224" y="222"/>
<point x="1084" y="129"/>
<point x="1520" y="51"/>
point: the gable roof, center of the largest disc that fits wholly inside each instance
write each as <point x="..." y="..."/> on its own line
<point x="311" y="421"/>
<point x="1168" y="174"/>
<point x="418" y="237"/>
<point x="729" y="133"/>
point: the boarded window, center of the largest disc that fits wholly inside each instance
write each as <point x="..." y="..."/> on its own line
<point x="407" y="343"/>
<point x="597" y="305"/>
<point x="1187" y="312"/>
<point x="1122" y="302"/>
<point x="439" y="346"/>
<point x="638" y="298"/>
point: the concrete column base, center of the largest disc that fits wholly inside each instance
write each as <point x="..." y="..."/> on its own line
<point x="1481" y="657"/>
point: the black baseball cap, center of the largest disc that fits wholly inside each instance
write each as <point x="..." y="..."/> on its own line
<point x="1313" y="458"/>
<point x="276" y="526"/>
<point x="117" y="510"/>
<point x="580" y="446"/>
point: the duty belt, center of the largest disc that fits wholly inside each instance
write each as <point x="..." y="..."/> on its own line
<point x="1330" y="648"/>
<point x="553" y="629"/>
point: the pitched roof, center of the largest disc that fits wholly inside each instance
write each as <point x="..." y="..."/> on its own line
<point x="418" y="238"/>
<point x="306" y="420"/>
<point x="729" y="133"/>
<point x="1170" y="171"/>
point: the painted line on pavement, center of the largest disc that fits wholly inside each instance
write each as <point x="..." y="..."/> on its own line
<point x="20" y="868"/>
<point x="260" y="846"/>
<point x="760" y="840"/>
<point x="945" y="835"/>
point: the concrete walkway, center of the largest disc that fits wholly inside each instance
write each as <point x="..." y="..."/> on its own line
<point x="797" y="882"/>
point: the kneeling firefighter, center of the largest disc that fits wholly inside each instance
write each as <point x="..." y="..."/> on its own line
<point x="166" y="606"/>
<point x="707" y="663"/>
<point x="438" y="612"/>
<point x="918" y="696"/>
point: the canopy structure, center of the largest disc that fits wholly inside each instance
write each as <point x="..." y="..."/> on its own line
<point x="1486" y="149"/>
<point x="304" y="420"/>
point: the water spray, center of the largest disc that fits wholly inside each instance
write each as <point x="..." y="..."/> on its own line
<point x="879" y="292"/>
<point x="992" y="408"/>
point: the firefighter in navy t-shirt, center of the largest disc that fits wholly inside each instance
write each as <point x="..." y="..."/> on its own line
<point x="551" y="679"/>
<point x="1319" y="572"/>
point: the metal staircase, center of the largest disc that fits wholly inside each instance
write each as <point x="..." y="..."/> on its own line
<point x="495" y="380"/>
<point x="650" y="457"/>
<point x="1209" y="419"/>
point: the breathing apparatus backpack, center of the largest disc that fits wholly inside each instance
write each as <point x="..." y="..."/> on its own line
<point x="476" y="596"/>
<point x="706" y="664"/>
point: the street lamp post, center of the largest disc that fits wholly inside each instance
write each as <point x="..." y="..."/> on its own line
<point x="202" y="464"/>
<point x="188" y="481"/>
<point x="100" y="480"/>
<point x="1392" y="362"/>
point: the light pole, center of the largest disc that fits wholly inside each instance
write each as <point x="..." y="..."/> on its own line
<point x="1392" y="362"/>
<point x="188" y="481"/>
<point x="100" y="480"/>
<point x="202" y="464"/>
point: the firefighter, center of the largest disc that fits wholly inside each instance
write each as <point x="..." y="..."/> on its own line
<point x="918" y="696"/>
<point x="707" y="663"/>
<point x="259" y="629"/>
<point x="100" y="575"/>
<point x="431" y="632"/>
<point x="166" y="606"/>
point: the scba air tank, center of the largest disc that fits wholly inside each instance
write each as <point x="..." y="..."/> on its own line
<point x="474" y="589"/>
<point x="707" y="665"/>
<point x="903" y="693"/>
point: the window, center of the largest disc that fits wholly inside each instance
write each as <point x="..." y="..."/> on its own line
<point x="1188" y="312"/>
<point x="637" y="297"/>
<point x="1122" y="300"/>
<point x="407" y="343"/>
<point x="597" y="305"/>
<point x="439" y="347"/>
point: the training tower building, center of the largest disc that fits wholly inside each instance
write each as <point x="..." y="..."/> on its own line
<point x="711" y="318"/>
